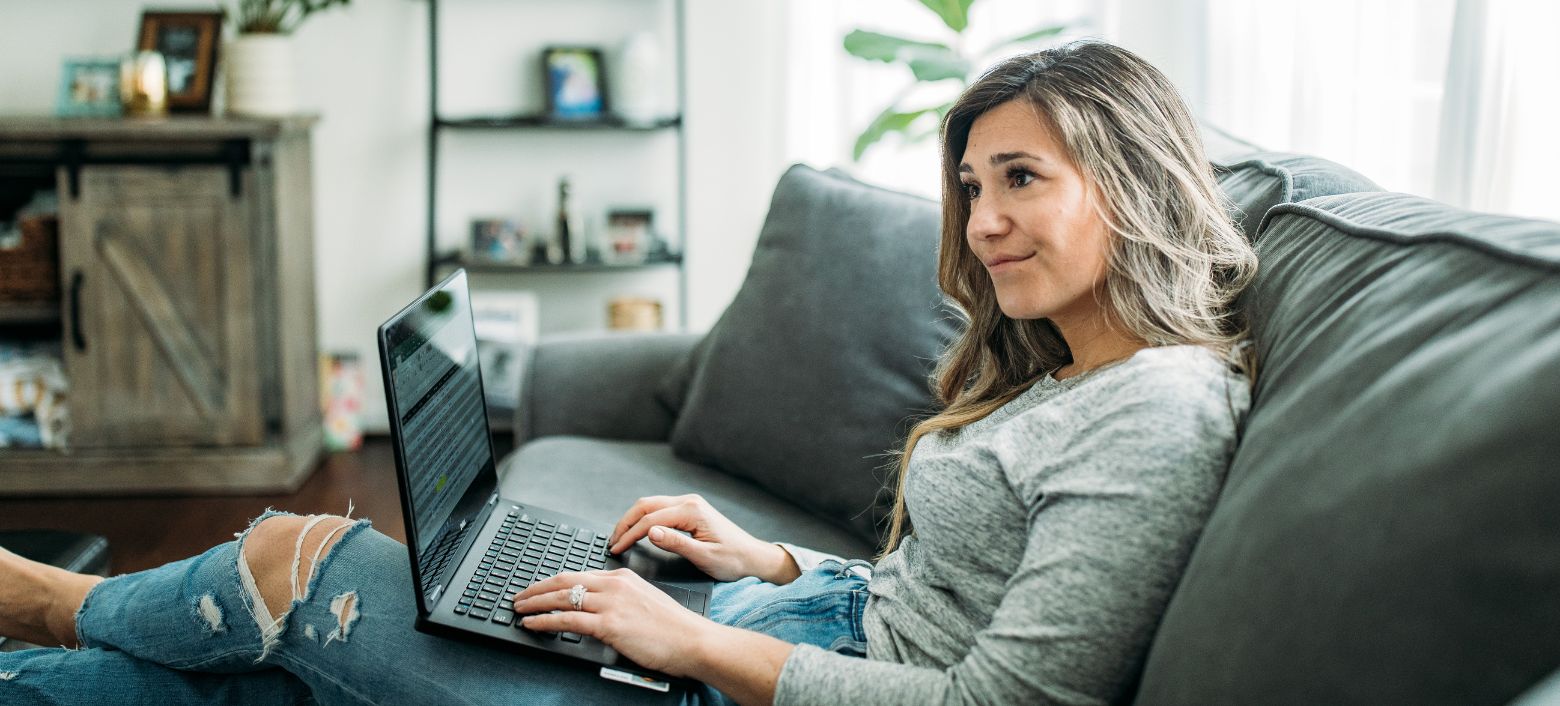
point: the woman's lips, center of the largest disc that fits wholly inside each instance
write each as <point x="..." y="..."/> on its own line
<point x="1006" y="262"/>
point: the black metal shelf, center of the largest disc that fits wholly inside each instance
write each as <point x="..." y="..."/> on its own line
<point x="543" y="122"/>
<point x="493" y="267"/>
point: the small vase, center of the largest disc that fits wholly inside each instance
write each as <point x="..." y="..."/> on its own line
<point x="637" y="79"/>
<point x="261" y="80"/>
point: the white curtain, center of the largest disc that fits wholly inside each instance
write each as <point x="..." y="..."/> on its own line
<point x="1450" y="99"/>
<point x="1356" y="82"/>
<point x="1500" y="131"/>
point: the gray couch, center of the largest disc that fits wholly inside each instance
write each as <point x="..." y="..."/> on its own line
<point x="1390" y="528"/>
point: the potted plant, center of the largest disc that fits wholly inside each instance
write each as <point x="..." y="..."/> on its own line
<point x="261" y="80"/>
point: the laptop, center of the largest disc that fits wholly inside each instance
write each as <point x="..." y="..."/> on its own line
<point x="472" y="548"/>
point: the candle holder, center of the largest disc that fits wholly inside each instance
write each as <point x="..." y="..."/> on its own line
<point x="143" y="84"/>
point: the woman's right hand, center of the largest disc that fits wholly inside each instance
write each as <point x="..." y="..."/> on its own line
<point x="714" y="544"/>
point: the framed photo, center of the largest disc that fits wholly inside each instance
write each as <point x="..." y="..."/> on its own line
<point x="89" y="88"/>
<point x="576" y="84"/>
<point x="188" y="42"/>
<point x="629" y="235"/>
<point x="497" y="240"/>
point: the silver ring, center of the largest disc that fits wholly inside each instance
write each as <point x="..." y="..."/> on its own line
<point x="577" y="597"/>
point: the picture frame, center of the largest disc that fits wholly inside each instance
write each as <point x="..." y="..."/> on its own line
<point x="89" y="87"/>
<point x="498" y="240"/>
<point x="630" y="233"/>
<point x="575" y="83"/>
<point x="188" y="42"/>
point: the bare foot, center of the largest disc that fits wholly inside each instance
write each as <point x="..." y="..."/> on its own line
<point x="38" y="602"/>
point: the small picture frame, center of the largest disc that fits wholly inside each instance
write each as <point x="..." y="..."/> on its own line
<point x="575" y="82"/>
<point x="89" y="87"/>
<point x="497" y="240"/>
<point x="188" y="42"/>
<point x="630" y="232"/>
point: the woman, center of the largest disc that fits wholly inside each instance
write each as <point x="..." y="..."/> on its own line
<point x="1043" y="516"/>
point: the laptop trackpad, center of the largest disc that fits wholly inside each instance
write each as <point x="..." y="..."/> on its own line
<point x="691" y="600"/>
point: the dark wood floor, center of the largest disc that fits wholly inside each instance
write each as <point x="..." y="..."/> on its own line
<point x="147" y="532"/>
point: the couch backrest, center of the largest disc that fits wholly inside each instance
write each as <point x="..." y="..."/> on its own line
<point x="1389" y="529"/>
<point x="1257" y="181"/>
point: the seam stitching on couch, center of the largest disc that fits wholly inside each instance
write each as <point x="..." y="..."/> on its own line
<point x="1349" y="227"/>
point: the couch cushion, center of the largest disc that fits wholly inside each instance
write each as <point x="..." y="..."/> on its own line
<point x="1258" y="181"/>
<point x="809" y="381"/>
<point x="1388" y="531"/>
<point x="598" y="479"/>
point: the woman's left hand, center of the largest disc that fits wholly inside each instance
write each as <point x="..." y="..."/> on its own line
<point x="621" y="609"/>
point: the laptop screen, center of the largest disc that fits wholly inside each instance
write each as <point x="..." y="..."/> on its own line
<point x="431" y="355"/>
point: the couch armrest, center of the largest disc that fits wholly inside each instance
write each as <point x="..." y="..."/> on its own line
<point x="598" y="385"/>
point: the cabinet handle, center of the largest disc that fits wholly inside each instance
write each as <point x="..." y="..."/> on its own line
<point x="76" y="336"/>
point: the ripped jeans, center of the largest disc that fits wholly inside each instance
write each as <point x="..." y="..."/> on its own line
<point x="189" y="633"/>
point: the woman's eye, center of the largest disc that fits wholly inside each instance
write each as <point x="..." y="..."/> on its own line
<point x="1021" y="177"/>
<point x="971" y="190"/>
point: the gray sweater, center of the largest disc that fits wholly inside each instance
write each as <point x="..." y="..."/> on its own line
<point x="1047" y="540"/>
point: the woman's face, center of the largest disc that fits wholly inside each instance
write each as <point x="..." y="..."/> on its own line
<point x="1032" y="217"/>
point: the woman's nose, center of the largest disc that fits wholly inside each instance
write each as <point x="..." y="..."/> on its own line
<point x="986" y="220"/>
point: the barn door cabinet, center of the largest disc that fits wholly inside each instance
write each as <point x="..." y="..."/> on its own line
<point x="187" y="312"/>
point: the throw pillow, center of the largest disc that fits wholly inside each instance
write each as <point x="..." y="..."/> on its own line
<point x="811" y="378"/>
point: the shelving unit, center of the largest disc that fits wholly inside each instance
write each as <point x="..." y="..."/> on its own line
<point x="440" y="258"/>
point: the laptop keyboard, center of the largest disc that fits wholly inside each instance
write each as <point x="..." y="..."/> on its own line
<point x="527" y="550"/>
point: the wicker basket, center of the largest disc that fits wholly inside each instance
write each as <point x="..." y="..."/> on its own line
<point x="30" y="272"/>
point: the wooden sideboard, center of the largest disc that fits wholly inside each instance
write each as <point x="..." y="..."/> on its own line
<point x="187" y="314"/>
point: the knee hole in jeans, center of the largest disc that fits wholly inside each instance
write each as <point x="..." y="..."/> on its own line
<point x="281" y="553"/>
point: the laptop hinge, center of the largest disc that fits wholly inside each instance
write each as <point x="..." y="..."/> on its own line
<point x="493" y="498"/>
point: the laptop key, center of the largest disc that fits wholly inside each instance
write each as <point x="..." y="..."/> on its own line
<point x="503" y="617"/>
<point x="460" y="609"/>
<point x="480" y="613"/>
<point x="569" y="637"/>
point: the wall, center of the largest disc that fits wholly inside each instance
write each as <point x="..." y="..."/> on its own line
<point x="364" y="70"/>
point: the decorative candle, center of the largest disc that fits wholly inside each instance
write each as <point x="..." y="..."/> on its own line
<point x="143" y="84"/>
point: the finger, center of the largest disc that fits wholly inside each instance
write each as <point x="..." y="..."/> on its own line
<point x="591" y="580"/>
<point x="575" y="621"/>
<point x="640" y="508"/>
<point x="558" y="600"/>
<point x="677" y="542"/>
<point x="675" y="516"/>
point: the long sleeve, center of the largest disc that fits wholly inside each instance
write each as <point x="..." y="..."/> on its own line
<point x="1114" y="505"/>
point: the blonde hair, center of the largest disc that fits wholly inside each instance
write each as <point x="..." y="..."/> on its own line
<point x="1176" y="261"/>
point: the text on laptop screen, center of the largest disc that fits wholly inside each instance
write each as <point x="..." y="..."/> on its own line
<point x="438" y="394"/>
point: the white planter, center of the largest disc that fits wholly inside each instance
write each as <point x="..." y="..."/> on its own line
<point x="261" y="79"/>
<point x="636" y="79"/>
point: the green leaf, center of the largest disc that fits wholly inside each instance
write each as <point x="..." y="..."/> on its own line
<point x="886" y="47"/>
<point x="890" y="120"/>
<point x="929" y="61"/>
<point x="1031" y="37"/>
<point x="954" y="13"/>
<point x="939" y="67"/>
